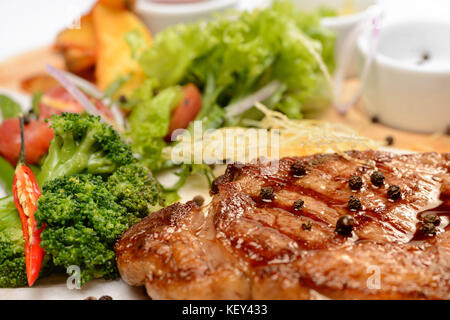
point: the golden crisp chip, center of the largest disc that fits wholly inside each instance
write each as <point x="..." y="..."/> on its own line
<point x="114" y="55"/>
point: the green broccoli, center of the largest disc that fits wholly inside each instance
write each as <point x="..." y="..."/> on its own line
<point x="12" y="253"/>
<point x="83" y="200"/>
<point x="82" y="222"/>
<point x="93" y="190"/>
<point x="135" y="190"/>
<point x="82" y="143"/>
<point x="85" y="215"/>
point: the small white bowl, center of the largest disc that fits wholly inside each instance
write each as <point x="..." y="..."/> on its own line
<point x="342" y="25"/>
<point x="158" y="15"/>
<point x="408" y="84"/>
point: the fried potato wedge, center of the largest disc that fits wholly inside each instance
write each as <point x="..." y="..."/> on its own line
<point x="82" y="38"/>
<point x="114" y="55"/>
<point x="78" y="46"/>
<point x="78" y="61"/>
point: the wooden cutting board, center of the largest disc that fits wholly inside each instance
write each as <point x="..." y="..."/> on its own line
<point x="14" y="70"/>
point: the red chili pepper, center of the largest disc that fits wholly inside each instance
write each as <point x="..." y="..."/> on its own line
<point x="26" y="194"/>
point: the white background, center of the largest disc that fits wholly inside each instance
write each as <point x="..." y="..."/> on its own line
<point x="27" y="24"/>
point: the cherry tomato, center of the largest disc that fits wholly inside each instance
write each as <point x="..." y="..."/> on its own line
<point x="186" y="111"/>
<point x="37" y="140"/>
<point x="58" y="100"/>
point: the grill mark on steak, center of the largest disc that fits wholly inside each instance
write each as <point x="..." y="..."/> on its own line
<point x="365" y="215"/>
<point x="338" y="203"/>
<point x="239" y="247"/>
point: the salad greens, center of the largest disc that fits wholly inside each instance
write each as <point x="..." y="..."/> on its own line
<point x="231" y="57"/>
<point x="8" y="107"/>
<point x="149" y="123"/>
<point x="326" y="12"/>
<point x="228" y="59"/>
<point x="6" y="175"/>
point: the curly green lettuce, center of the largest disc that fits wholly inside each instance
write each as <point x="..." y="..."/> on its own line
<point x="232" y="57"/>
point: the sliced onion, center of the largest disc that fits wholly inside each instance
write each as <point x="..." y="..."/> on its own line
<point x="95" y="92"/>
<point x="68" y="80"/>
<point x="249" y="101"/>
<point x="85" y="85"/>
<point x="74" y="91"/>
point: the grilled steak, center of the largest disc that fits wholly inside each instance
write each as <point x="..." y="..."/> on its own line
<point x="296" y="229"/>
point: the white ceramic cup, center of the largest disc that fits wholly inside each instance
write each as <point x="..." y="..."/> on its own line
<point x="160" y="15"/>
<point x="408" y="84"/>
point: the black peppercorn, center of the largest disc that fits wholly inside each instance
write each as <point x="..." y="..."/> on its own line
<point x="389" y="140"/>
<point x="354" y="204"/>
<point x="199" y="200"/>
<point x="307" y="225"/>
<point x="267" y="194"/>
<point x="428" y="229"/>
<point x="123" y="99"/>
<point x="394" y="192"/>
<point x="432" y="218"/>
<point x="298" y="204"/>
<point x="377" y="178"/>
<point x="424" y="58"/>
<point x="105" y="298"/>
<point x="375" y="119"/>
<point x="344" y="225"/>
<point x="298" y="169"/>
<point x="355" y="182"/>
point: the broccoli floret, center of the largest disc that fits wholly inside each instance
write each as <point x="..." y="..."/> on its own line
<point x="81" y="246"/>
<point x="86" y="214"/>
<point x="13" y="272"/>
<point x="82" y="143"/>
<point x="12" y="253"/>
<point x="82" y="223"/>
<point x="83" y="199"/>
<point x="135" y="189"/>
